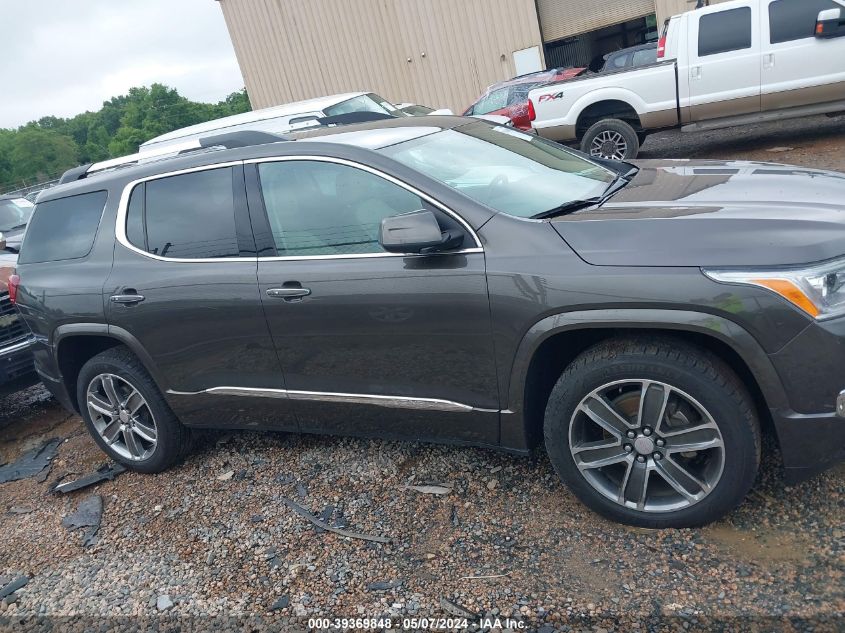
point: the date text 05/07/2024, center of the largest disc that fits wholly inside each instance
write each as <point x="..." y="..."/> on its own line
<point x="414" y="624"/>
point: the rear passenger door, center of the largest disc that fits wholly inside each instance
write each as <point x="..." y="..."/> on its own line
<point x="724" y="53"/>
<point x="799" y="68"/>
<point x="184" y="286"/>
<point x="371" y="342"/>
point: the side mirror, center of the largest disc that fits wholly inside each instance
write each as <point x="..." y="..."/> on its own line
<point x="830" y="24"/>
<point x="416" y="232"/>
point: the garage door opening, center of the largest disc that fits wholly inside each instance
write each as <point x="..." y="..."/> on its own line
<point x="589" y="49"/>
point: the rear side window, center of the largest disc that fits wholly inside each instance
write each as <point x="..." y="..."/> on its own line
<point x="724" y="31"/>
<point x="64" y="228"/>
<point x="191" y="216"/>
<point x="795" y="19"/>
<point x="644" y="57"/>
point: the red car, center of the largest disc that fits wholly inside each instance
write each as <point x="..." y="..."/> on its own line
<point x="510" y="98"/>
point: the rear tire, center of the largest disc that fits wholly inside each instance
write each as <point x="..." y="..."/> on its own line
<point x="611" y="139"/>
<point x="127" y="415"/>
<point x="650" y="477"/>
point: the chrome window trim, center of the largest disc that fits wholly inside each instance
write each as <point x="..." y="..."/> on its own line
<point x="393" y="402"/>
<point x="120" y="222"/>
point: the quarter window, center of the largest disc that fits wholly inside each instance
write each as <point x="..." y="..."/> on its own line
<point x="321" y="208"/>
<point x="190" y="216"/>
<point x="63" y="229"/>
<point x="795" y="19"/>
<point x="724" y="31"/>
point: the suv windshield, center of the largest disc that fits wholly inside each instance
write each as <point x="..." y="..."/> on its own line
<point x="515" y="173"/>
<point x="15" y="214"/>
<point x="364" y="103"/>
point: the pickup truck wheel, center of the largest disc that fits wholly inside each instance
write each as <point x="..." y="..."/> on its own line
<point x="126" y="414"/>
<point x="611" y="139"/>
<point x="653" y="433"/>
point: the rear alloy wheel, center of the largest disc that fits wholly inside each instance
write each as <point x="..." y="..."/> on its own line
<point x="126" y="413"/>
<point x="611" y="139"/>
<point x="653" y="432"/>
<point x="122" y="417"/>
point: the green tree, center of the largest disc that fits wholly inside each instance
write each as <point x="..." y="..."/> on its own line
<point x="41" y="154"/>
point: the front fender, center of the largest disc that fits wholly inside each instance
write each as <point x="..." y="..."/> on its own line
<point x="514" y="433"/>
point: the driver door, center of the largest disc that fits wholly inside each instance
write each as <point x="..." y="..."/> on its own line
<point x="372" y="343"/>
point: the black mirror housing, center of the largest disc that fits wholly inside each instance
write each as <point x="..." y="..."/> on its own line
<point x="416" y="232"/>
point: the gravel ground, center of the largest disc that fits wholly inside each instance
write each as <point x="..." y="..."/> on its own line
<point x="215" y="537"/>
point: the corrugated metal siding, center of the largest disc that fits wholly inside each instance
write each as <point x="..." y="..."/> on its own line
<point x="563" y="18"/>
<point x="290" y="50"/>
<point x="667" y="8"/>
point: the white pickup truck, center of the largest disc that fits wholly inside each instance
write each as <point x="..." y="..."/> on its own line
<point x="728" y="64"/>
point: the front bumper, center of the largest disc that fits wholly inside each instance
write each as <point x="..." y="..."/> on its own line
<point x="810" y="444"/>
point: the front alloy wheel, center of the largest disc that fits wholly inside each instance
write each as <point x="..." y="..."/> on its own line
<point x="122" y="417"/>
<point x="654" y="432"/>
<point x="646" y="445"/>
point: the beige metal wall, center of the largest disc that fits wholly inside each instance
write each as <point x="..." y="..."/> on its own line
<point x="668" y="8"/>
<point x="564" y="18"/>
<point x="440" y="53"/>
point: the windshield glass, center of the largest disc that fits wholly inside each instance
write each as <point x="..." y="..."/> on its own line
<point x="363" y="103"/>
<point x="515" y="173"/>
<point x="15" y="213"/>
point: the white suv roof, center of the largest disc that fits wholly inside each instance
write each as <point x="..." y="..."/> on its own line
<point x="253" y="119"/>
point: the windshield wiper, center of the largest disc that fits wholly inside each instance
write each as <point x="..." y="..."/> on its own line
<point x="574" y="205"/>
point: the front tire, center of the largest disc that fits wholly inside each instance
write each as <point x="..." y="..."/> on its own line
<point x="126" y="414"/>
<point x="611" y="139"/>
<point x="653" y="433"/>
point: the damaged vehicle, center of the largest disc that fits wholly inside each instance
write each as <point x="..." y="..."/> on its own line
<point x="446" y="279"/>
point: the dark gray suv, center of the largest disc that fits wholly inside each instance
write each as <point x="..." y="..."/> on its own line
<point x="445" y="279"/>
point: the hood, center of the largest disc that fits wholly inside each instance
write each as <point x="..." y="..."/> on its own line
<point x="707" y="213"/>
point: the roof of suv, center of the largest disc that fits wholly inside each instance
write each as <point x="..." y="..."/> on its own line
<point x="367" y="136"/>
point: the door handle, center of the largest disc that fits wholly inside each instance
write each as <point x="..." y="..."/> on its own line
<point x="769" y="60"/>
<point x="695" y="73"/>
<point x="288" y="293"/>
<point x="127" y="299"/>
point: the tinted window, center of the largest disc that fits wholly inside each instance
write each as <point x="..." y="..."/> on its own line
<point x="724" y="31"/>
<point x="15" y="213"/>
<point x="491" y="102"/>
<point x="191" y="216"/>
<point x="318" y="208"/>
<point x="135" y="218"/>
<point x="796" y="19"/>
<point x="63" y="228"/>
<point x="619" y="61"/>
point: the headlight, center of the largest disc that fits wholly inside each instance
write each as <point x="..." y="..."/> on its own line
<point x="817" y="290"/>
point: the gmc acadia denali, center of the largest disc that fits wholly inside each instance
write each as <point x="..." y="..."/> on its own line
<point x="446" y="279"/>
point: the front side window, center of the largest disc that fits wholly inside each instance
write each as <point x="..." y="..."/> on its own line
<point x="190" y="216"/>
<point x="321" y="208"/>
<point x="63" y="229"/>
<point x="791" y="20"/>
<point x="507" y="170"/>
<point x="492" y="101"/>
<point x="724" y="31"/>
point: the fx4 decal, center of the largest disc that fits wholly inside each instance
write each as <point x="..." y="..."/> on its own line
<point x="552" y="97"/>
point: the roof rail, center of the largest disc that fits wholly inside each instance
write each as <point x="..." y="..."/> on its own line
<point x="243" y="138"/>
<point x="231" y="140"/>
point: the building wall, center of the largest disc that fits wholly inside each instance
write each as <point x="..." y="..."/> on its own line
<point x="440" y="53"/>
<point x="564" y="18"/>
<point x="668" y="8"/>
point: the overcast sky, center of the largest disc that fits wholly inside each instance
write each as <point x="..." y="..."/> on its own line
<point x="63" y="57"/>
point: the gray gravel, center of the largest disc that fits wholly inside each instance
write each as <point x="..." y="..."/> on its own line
<point x="187" y="544"/>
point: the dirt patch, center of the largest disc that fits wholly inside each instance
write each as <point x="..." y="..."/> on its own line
<point x="760" y="547"/>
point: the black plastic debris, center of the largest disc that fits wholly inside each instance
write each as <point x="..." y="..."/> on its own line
<point x="13" y="586"/>
<point x="88" y="515"/>
<point x="106" y="472"/>
<point x="30" y="463"/>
